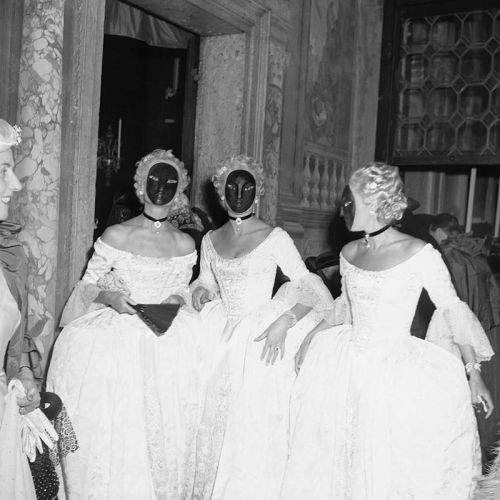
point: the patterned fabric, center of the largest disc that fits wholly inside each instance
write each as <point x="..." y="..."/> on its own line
<point x="377" y="413"/>
<point x="242" y="441"/>
<point x="133" y="398"/>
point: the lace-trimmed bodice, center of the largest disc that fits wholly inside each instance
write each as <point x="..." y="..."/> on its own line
<point x="382" y="303"/>
<point x="246" y="283"/>
<point x="149" y="279"/>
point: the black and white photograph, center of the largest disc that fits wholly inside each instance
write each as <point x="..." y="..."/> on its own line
<point x="250" y="250"/>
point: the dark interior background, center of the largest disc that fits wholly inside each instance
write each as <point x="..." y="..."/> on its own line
<point x="135" y="77"/>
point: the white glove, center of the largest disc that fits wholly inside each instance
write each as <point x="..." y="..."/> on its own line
<point x="35" y="427"/>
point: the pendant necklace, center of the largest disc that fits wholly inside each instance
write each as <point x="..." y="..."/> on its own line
<point x="367" y="236"/>
<point x="239" y="220"/>
<point x="155" y="227"/>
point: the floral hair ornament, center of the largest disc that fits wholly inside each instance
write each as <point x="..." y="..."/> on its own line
<point x="160" y="156"/>
<point x="240" y="162"/>
<point x="9" y="135"/>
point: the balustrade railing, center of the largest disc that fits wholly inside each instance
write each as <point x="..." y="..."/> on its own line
<point x="324" y="177"/>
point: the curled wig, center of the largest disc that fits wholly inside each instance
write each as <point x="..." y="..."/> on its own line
<point x="382" y="190"/>
<point x="159" y="156"/>
<point x="9" y="135"/>
<point x="240" y="162"/>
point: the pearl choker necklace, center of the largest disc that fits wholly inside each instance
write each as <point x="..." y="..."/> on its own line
<point x="239" y="220"/>
<point x="156" y="222"/>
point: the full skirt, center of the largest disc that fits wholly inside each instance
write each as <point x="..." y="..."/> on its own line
<point x="134" y="401"/>
<point x="388" y="421"/>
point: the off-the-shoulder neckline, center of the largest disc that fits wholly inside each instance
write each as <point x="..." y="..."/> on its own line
<point x="418" y="252"/>
<point x="193" y="253"/>
<point x="240" y="256"/>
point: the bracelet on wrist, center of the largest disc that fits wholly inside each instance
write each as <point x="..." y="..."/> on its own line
<point x="292" y="317"/>
<point x="470" y="367"/>
<point x="23" y="367"/>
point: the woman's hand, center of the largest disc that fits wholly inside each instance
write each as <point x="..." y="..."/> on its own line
<point x="117" y="300"/>
<point x="200" y="297"/>
<point x="480" y="393"/>
<point x="275" y="335"/>
<point x="174" y="299"/>
<point x="301" y="353"/>
<point x="32" y="399"/>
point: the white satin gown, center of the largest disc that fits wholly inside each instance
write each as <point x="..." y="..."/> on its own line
<point x="243" y="438"/>
<point x="376" y="413"/>
<point x="134" y="398"/>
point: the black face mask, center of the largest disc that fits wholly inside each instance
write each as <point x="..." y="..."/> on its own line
<point x="348" y="207"/>
<point x="162" y="183"/>
<point x="240" y="191"/>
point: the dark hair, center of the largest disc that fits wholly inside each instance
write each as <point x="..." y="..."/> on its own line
<point x="447" y="222"/>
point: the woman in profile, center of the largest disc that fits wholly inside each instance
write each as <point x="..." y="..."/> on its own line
<point x="132" y="396"/>
<point x="377" y="413"/>
<point x="18" y="354"/>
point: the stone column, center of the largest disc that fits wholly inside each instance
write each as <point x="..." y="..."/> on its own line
<point x="272" y="130"/>
<point x="38" y="159"/>
<point x="219" y="111"/>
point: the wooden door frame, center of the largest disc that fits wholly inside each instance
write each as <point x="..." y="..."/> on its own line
<point x="82" y="55"/>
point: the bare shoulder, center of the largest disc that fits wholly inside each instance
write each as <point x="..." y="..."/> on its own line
<point x="350" y="249"/>
<point x="184" y="242"/>
<point x="117" y="235"/>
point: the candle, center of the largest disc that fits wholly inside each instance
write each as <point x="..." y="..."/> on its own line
<point x="118" y="150"/>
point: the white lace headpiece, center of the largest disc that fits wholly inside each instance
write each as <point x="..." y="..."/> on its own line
<point x="9" y="135"/>
<point x="160" y="156"/>
<point x="240" y="162"/>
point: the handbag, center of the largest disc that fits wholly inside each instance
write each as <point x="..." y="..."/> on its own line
<point x="43" y="470"/>
<point x="158" y="317"/>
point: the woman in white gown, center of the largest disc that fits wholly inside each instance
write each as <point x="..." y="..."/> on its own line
<point x="132" y="396"/>
<point x="242" y="442"/>
<point x="377" y="413"/>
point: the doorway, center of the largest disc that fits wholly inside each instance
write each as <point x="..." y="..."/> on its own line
<point x="235" y="54"/>
<point x="142" y="105"/>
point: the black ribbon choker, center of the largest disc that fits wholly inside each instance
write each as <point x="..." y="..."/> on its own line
<point x="375" y="233"/>
<point x="156" y="222"/>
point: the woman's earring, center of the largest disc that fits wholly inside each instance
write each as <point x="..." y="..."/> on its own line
<point x="141" y="192"/>
<point x="222" y="198"/>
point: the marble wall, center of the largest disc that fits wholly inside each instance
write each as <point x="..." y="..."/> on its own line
<point x="38" y="157"/>
<point x="337" y="83"/>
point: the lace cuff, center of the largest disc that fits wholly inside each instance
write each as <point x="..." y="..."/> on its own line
<point x="340" y="313"/>
<point x="309" y="291"/>
<point x="80" y="302"/>
<point x="456" y="325"/>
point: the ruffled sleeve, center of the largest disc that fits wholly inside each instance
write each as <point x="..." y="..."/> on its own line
<point x="304" y="287"/>
<point x="81" y="300"/>
<point x="206" y="277"/>
<point x="453" y="323"/>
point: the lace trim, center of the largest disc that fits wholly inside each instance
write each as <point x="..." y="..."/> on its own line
<point x="211" y="432"/>
<point x="456" y="325"/>
<point x="68" y="442"/>
<point x="160" y="470"/>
